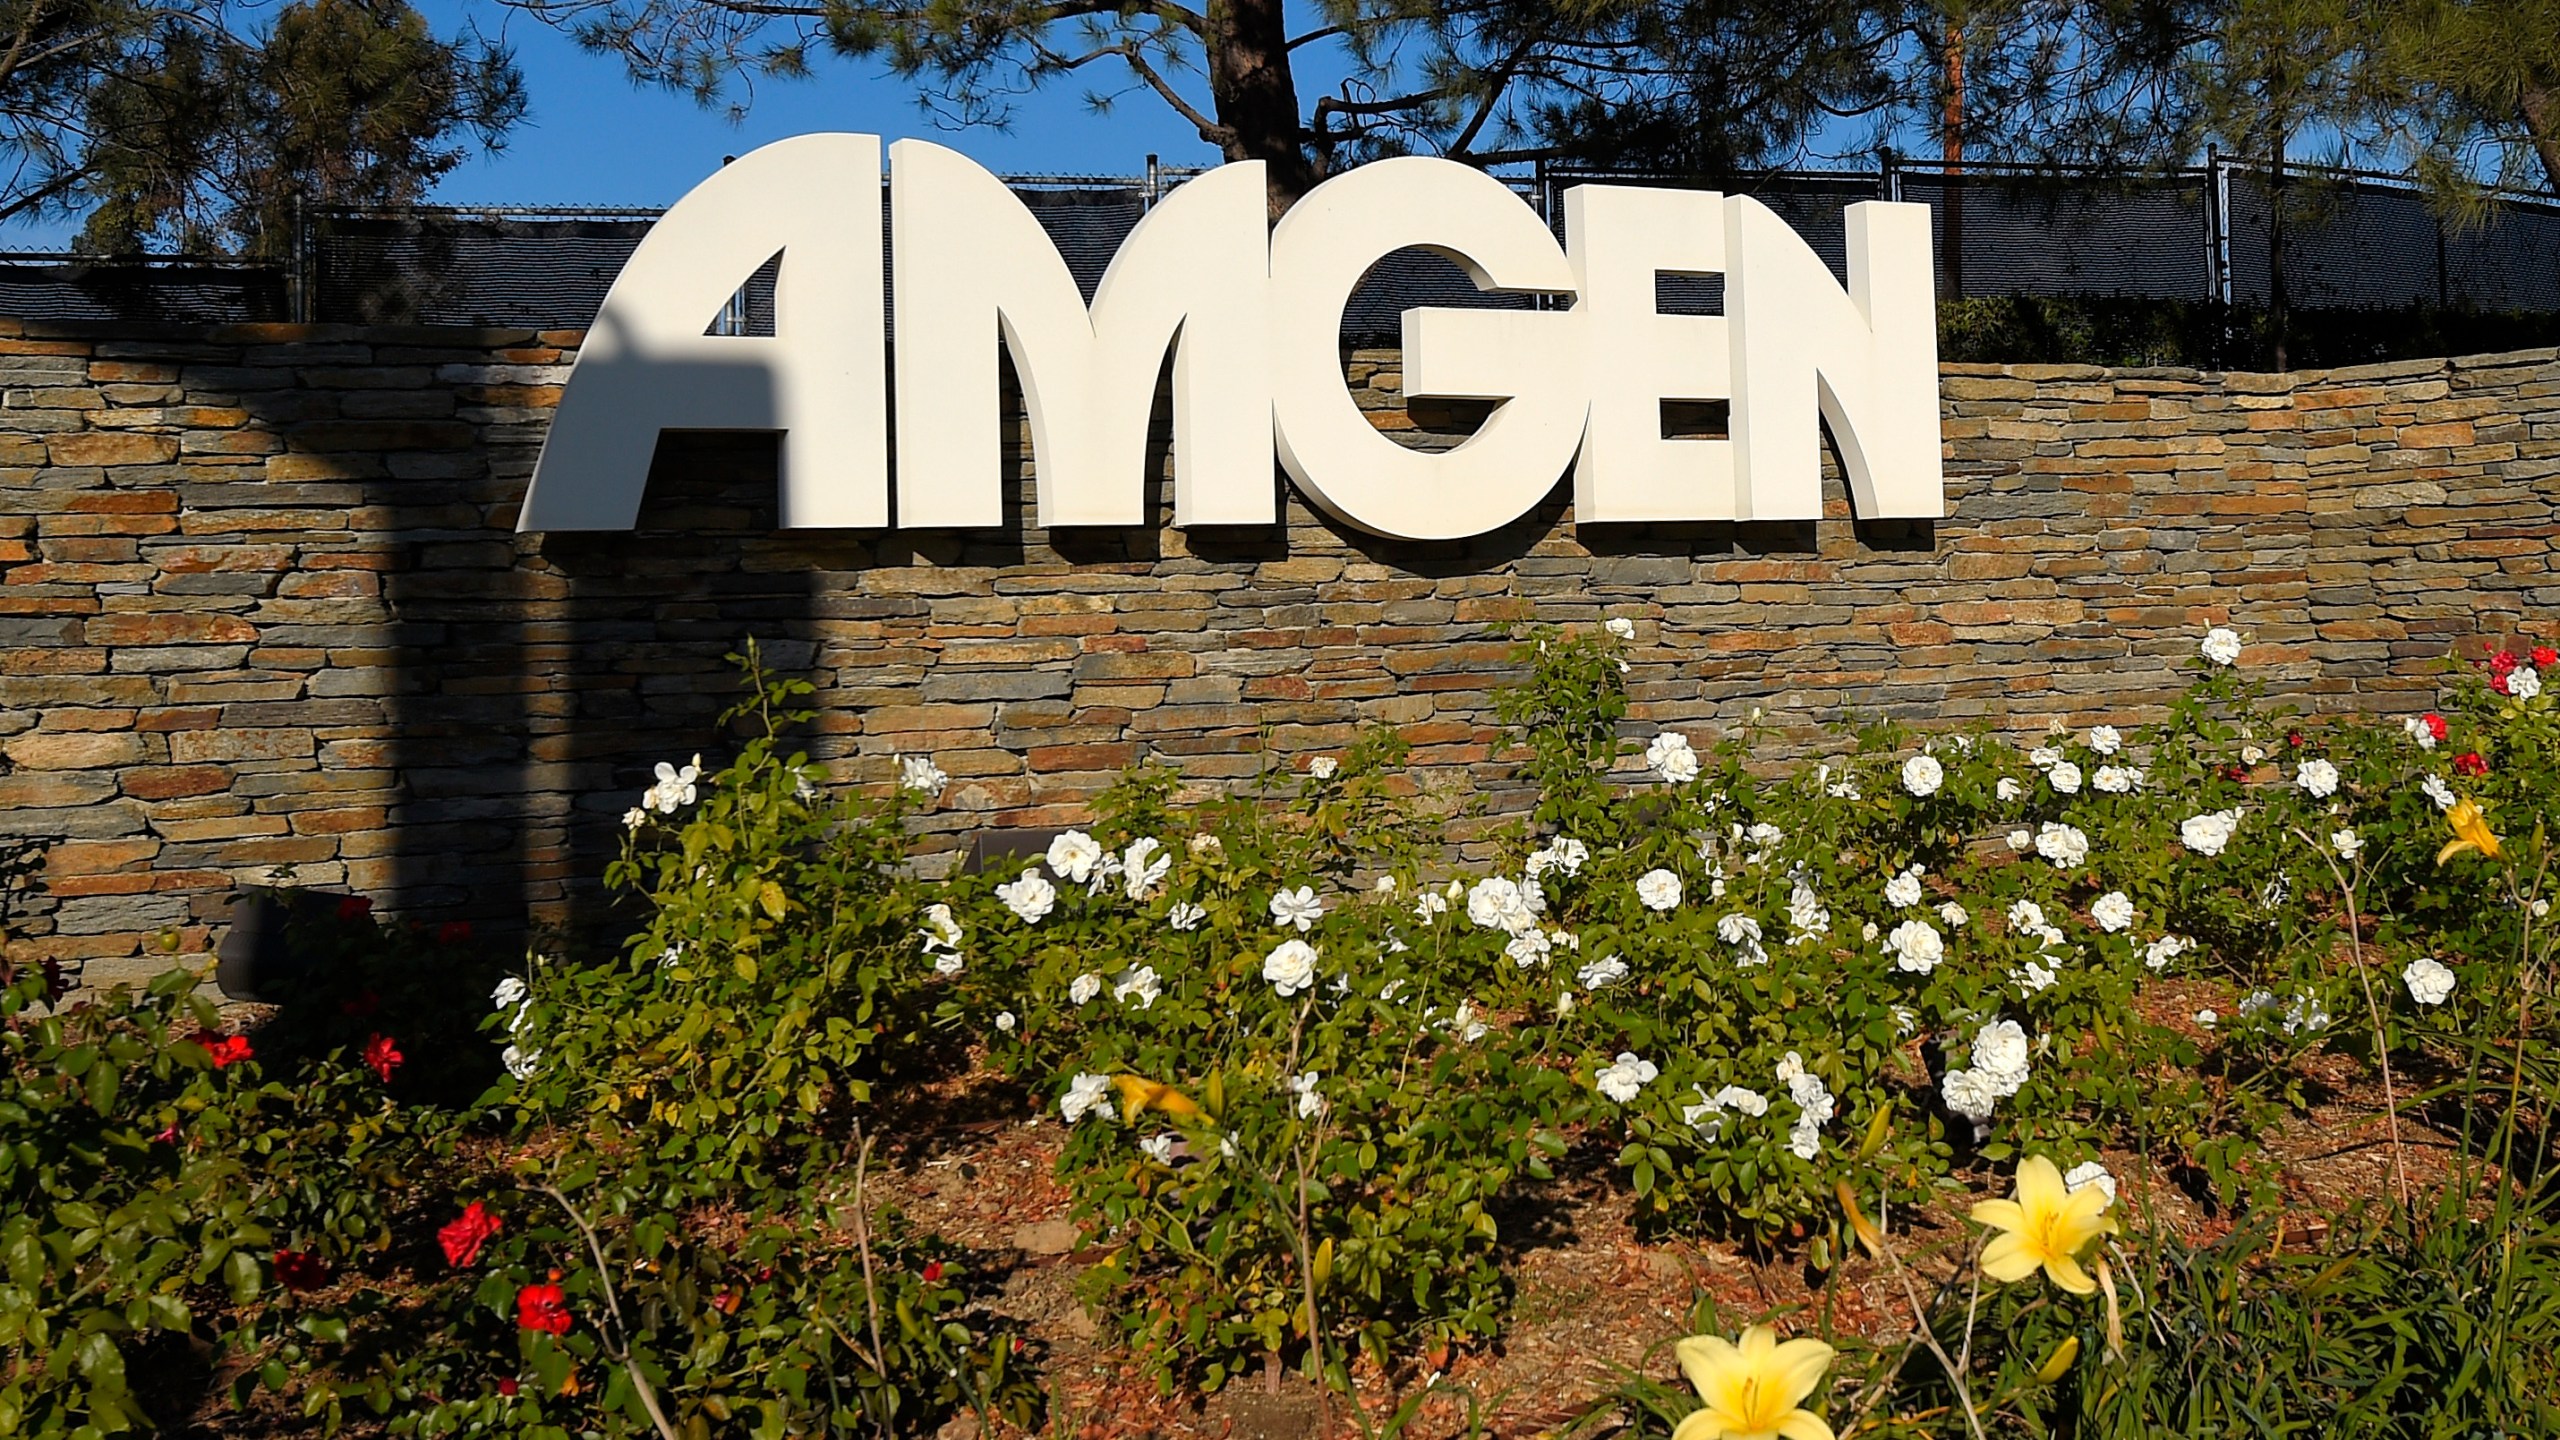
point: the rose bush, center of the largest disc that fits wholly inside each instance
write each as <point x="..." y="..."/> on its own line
<point x="1307" y="1065"/>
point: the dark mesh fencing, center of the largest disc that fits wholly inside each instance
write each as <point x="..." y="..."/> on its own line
<point x="2040" y="233"/>
<point x="2351" y="243"/>
<point x="175" y="291"/>
<point x="2355" y="243"/>
<point x="541" y="271"/>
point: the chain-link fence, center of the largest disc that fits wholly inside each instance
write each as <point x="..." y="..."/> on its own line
<point x="2209" y="234"/>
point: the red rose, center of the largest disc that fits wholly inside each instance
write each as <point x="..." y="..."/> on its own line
<point x="355" y="907"/>
<point x="2470" y="763"/>
<point x="463" y="1238"/>
<point x="225" y="1049"/>
<point x="2502" y="662"/>
<point x="2435" y="725"/>
<point x="933" y="1272"/>
<point x="2544" y="657"/>
<point x="544" y="1308"/>
<point x="301" y="1270"/>
<point x="2236" y="772"/>
<point x="507" y="1386"/>
<point x="168" y="1135"/>
<point x="381" y="1056"/>
<point x="453" y="932"/>
<point x="2498" y="682"/>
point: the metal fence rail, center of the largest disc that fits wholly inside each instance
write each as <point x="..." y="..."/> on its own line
<point x="2206" y="234"/>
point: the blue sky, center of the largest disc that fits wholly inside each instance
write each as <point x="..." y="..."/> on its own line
<point x="596" y="139"/>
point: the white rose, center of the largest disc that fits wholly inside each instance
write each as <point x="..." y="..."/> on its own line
<point x="2104" y="740"/>
<point x="1073" y="855"/>
<point x="1970" y="1095"/>
<point x="2116" y="779"/>
<point x="1310" y="1103"/>
<point x="941" y="932"/>
<point x="2034" y="978"/>
<point x="2304" y="1012"/>
<point x="1922" y="775"/>
<point x="1903" y="890"/>
<point x="1671" y="758"/>
<point x="2088" y="1173"/>
<point x="1561" y="853"/>
<point x="2064" y="777"/>
<point x="2009" y="790"/>
<point x="1139" y="984"/>
<point x="2429" y="980"/>
<point x="1290" y="967"/>
<point x="1185" y="916"/>
<point x="1298" y="907"/>
<point x="1031" y="898"/>
<point x="2221" y="646"/>
<point x="2318" y="779"/>
<point x="1622" y="1080"/>
<point x="2347" y="843"/>
<point x="1602" y="973"/>
<point x="2021" y="841"/>
<point x="1658" y="890"/>
<point x="2207" y="834"/>
<point x="1621" y="626"/>
<point x="2113" y="911"/>
<point x="1916" y="947"/>
<point x="2064" y="845"/>
<point x="1323" y="767"/>
<point x="920" y="774"/>
<point x="520" y="1062"/>
<point x="2419" y="732"/>
<point x="1083" y="988"/>
<point x="2524" y="683"/>
<point x="2160" y="952"/>
<point x="1145" y="866"/>
<point x="1158" y="1148"/>
<point x="1005" y="1021"/>
<point x="1738" y="930"/>
<point x="2000" y="1050"/>
<point x="509" y="994"/>
<point x="1955" y="915"/>
<point x="2438" y="791"/>
<point x="1086" y="1094"/>
<point x="1493" y="902"/>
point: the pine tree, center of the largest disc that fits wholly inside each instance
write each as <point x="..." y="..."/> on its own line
<point x="170" y="123"/>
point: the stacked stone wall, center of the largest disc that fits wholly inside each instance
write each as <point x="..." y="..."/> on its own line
<point x="262" y="605"/>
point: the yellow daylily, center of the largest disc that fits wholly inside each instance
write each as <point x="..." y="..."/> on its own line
<point x="1139" y="1094"/>
<point x="1753" y="1389"/>
<point x="2045" y="1226"/>
<point x="2470" y="832"/>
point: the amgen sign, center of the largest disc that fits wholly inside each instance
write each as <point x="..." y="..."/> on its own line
<point x="1251" y="314"/>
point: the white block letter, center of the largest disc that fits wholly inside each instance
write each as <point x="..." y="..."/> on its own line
<point x="819" y="379"/>
<point x="972" y="264"/>
<point x="1529" y="360"/>
<point x="1868" y="357"/>
<point x="1619" y="239"/>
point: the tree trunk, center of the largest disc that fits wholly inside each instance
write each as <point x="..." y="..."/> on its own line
<point x="2541" y="109"/>
<point x="1256" y="97"/>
